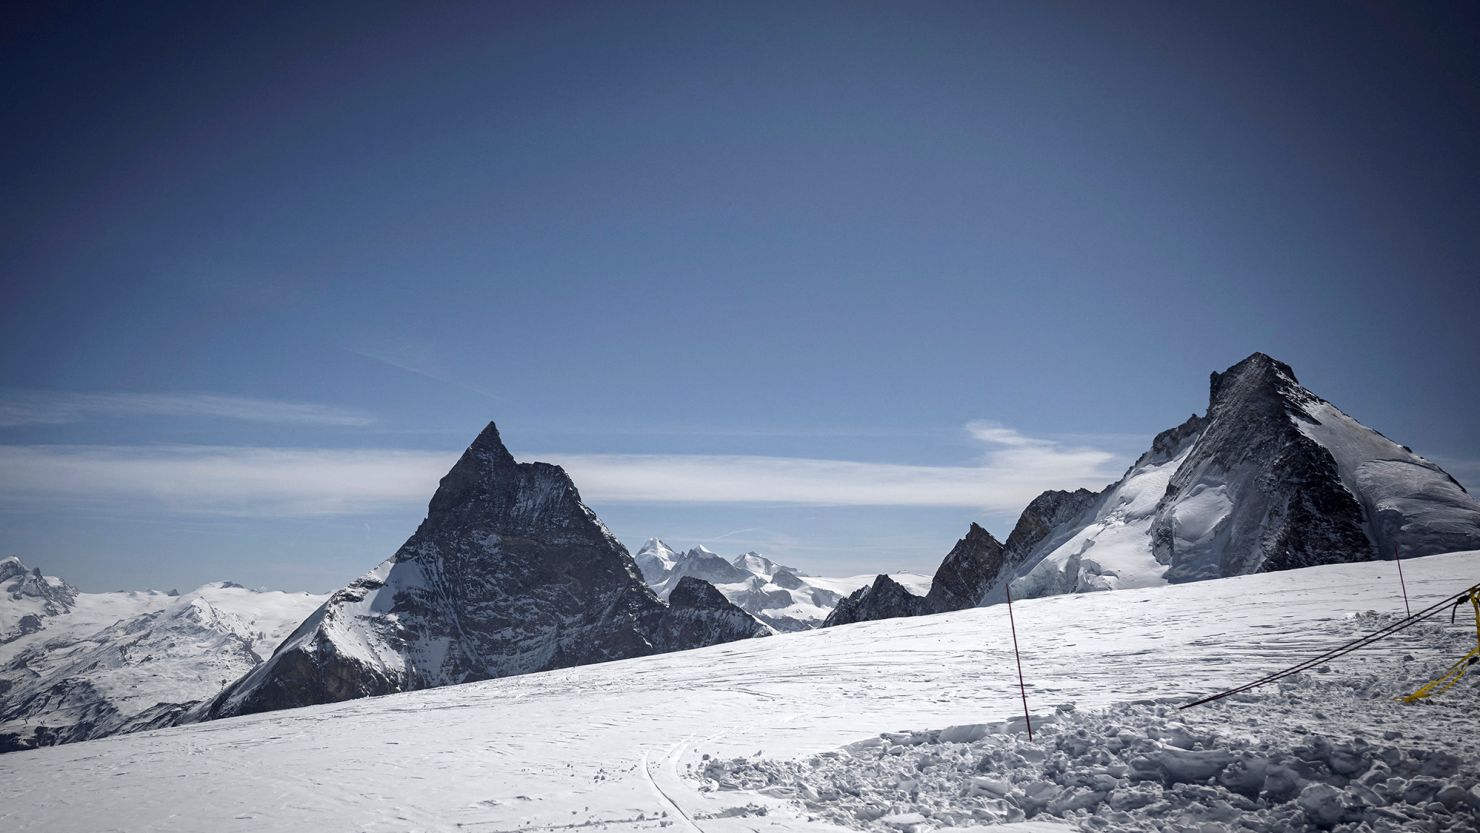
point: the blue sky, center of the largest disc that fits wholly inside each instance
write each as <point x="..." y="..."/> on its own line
<point x="266" y="271"/>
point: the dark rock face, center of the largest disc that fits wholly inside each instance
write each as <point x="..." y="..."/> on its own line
<point x="967" y="571"/>
<point x="510" y="573"/>
<point x="1289" y="505"/>
<point x="963" y="577"/>
<point x="884" y="599"/>
<point x="698" y="614"/>
<point x="1042" y="516"/>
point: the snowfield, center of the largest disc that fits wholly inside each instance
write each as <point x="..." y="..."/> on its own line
<point x="852" y="728"/>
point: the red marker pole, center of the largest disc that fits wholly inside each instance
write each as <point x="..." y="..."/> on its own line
<point x="1022" y="689"/>
<point x="1397" y="556"/>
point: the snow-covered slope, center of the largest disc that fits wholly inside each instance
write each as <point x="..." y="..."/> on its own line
<point x="510" y="573"/>
<point x="845" y="728"/>
<point x="117" y="662"/>
<point x="782" y="597"/>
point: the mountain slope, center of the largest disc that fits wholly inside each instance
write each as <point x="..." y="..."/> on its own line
<point x="119" y="662"/>
<point x="1272" y="478"/>
<point x="510" y="573"/>
<point x="633" y="745"/>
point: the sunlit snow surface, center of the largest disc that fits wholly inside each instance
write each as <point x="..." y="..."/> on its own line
<point x="112" y="659"/>
<point x="622" y="745"/>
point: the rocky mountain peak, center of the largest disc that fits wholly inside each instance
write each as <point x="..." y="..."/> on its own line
<point x="489" y="446"/>
<point x="884" y="599"/>
<point x="697" y="593"/>
<point x="967" y="572"/>
<point x="510" y="573"/>
<point x="1258" y="383"/>
<point x="1272" y="478"/>
<point x="487" y="486"/>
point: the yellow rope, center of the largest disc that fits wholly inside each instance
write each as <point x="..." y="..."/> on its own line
<point x="1456" y="671"/>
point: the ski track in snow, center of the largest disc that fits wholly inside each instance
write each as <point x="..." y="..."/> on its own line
<point x="620" y="746"/>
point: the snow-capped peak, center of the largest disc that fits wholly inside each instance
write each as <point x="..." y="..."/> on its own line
<point x="655" y="560"/>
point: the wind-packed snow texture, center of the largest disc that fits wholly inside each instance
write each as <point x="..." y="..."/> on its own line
<point x="783" y="597"/>
<point x="651" y="743"/>
<point x="99" y="663"/>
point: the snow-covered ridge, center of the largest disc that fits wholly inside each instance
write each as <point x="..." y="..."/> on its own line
<point x="115" y="662"/>
<point x="783" y="597"/>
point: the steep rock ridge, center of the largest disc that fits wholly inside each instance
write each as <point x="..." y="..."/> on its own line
<point x="1105" y="546"/>
<point x="884" y="599"/>
<point x="510" y="573"/>
<point x="966" y="574"/>
<point x="125" y="661"/>
<point x="1273" y="477"/>
<point x="1257" y="493"/>
<point x="967" y="571"/>
<point x="1046" y="514"/>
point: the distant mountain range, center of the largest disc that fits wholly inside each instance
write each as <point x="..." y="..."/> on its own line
<point x="75" y="666"/>
<point x="783" y="597"/>
<point x="1272" y="477"/>
<point x="510" y="573"/>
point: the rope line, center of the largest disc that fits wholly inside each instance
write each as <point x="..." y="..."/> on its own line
<point x="1342" y="650"/>
<point x="1457" y="671"/>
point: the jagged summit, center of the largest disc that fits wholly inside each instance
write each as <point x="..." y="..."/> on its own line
<point x="488" y="443"/>
<point x="1272" y="477"/>
<point x="510" y="573"/>
<point x="1258" y="368"/>
<point x="884" y="599"/>
<point x="967" y="572"/>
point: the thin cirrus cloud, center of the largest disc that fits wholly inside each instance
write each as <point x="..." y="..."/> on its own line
<point x="1012" y="470"/>
<point x="35" y="407"/>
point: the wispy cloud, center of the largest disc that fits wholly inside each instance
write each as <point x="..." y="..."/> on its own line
<point x="35" y="407"/>
<point x="1012" y="470"/>
<point x="219" y="480"/>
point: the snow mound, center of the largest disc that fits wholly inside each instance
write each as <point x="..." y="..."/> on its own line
<point x="1326" y="750"/>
